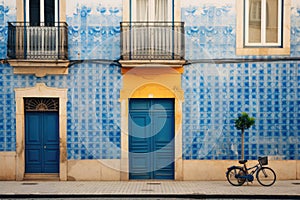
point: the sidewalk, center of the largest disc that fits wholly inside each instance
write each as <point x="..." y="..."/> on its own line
<point x="188" y="189"/>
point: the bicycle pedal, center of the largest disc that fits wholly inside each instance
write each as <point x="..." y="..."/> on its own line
<point x="249" y="182"/>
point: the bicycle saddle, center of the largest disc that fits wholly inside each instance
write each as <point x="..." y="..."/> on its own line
<point x="242" y="161"/>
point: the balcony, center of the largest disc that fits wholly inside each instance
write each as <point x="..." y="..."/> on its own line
<point x="37" y="42"/>
<point x="152" y="43"/>
<point x="40" y="46"/>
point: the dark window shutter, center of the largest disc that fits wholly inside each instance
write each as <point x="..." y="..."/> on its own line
<point x="49" y="13"/>
<point x="34" y="12"/>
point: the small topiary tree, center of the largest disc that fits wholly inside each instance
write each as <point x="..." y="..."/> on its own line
<point x="242" y="123"/>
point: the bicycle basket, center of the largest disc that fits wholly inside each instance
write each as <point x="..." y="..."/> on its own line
<point x="263" y="160"/>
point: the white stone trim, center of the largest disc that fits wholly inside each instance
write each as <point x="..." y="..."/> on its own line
<point x="241" y="50"/>
<point x="40" y="90"/>
<point x="146" y="83"/>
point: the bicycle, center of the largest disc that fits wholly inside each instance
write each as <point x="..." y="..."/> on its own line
<point x="238" y="175"/>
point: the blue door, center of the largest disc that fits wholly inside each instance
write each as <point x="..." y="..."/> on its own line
<point x="151" y="139"/>
<point x="41" y="142"/>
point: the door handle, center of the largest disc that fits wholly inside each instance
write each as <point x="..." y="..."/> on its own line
<point x="45" y="147"/>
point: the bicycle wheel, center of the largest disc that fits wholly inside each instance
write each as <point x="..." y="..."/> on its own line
<point x="233" y="176"/>
<point x="266" y="176"/>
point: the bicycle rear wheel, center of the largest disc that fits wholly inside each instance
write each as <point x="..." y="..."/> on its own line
<point x="233" y="176"/>
<point x="266" y="176"/>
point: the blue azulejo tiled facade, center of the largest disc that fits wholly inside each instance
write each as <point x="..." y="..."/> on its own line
<point x="267" y="91"/>
<point x="214" y="92"/>
<point x="93" y="125"/>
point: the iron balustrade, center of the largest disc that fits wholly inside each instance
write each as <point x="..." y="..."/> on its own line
<point x="43" y="42"/>
<point x="152" y="41"/>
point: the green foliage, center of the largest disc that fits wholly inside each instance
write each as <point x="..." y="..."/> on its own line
<point x="244" y="122"/>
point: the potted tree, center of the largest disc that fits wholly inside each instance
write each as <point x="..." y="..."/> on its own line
<point x="242" y="123"/>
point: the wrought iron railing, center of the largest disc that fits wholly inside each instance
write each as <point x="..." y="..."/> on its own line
<point x="37" y="42"/>
<point x="152" y="40"/>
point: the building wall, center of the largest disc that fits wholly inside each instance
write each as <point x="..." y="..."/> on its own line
<point x="214" y="94"/>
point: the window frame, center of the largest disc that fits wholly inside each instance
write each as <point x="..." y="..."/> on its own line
<point x="242" y="48"/>
<point x="151" y="8"/>
<point x="127" y="6"/>
<point x="42" y="11"/>
<point x="59" y="17"/>
<point x="263" y="23"/>
<point x="42" y="23"/>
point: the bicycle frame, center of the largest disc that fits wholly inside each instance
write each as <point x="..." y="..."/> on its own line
<point x="248" y="176"/>
<point x="257" y="167"/>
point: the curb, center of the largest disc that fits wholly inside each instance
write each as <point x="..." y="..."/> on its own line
<point x="162" y="196"/>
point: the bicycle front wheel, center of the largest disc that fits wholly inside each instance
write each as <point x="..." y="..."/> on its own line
<point x="266" y="176"/>
<point x="233" y="176"/>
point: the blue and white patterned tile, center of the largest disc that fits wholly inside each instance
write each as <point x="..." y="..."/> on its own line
<point x="96" y="108"/>
<point x="267" y="117"/>
<point x="94" y="27"/>
<point x="209" y="29"/>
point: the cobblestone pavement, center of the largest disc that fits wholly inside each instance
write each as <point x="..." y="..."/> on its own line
<point x="196" y="189"/>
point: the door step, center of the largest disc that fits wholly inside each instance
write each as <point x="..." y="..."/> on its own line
<point x="41" y="177"/>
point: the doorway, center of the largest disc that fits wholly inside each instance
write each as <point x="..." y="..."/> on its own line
<point x="41" y="135"/>
<point x="151" y="139"/>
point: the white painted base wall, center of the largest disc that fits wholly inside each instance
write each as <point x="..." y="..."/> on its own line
<point x="193" y="170"/>
<point x="90" y="170"/>
<point x="215" y="170"/>
<point x="7" y="166"/>
<point x="110" y="170"/>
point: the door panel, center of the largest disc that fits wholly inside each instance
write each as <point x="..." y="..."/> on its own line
<point x="32" y="123"/>
<point x="33" y="160"/>
<point x="164" y="146"/>
<point x="151" y="146"/>
<point x="33" y="143"/>
<point x="140" y="160"/>
<point x="41" y="142"/>
<point x="51" y="142"/>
